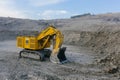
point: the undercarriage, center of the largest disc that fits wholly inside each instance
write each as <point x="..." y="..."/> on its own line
<point x="41" y="55"/>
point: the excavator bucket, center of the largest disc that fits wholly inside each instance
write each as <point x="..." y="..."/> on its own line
<point x="60" y="57"/>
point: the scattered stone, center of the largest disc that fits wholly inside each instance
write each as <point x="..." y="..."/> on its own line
<point x="25" y="76"/>
<point x="112" y="69"/>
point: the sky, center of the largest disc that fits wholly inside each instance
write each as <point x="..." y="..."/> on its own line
<point x="54" y="9"/>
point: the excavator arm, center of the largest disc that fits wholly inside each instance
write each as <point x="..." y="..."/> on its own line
<point x="58" y="52"/>
<point x="51" y="33"/>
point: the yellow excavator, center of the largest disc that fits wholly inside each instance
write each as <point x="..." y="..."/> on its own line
<point x="40" y="45"/>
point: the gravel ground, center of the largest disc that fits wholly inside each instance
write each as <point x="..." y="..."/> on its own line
<point x="81" y="65"/>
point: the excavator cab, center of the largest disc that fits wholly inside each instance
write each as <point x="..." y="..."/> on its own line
<point x="39" y="45"/>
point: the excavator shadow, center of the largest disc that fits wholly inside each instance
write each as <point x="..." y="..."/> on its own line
<point x="29" y="58"/>
<point x="46" y="59"/>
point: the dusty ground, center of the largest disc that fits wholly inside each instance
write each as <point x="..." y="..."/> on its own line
<point x="82" y="66"/>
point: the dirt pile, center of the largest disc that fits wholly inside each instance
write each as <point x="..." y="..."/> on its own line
<point x="105" y="44"/>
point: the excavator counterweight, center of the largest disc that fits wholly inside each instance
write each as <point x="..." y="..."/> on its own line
<point x="39" y="45"/>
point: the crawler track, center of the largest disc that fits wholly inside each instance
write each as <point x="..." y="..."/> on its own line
<point x="41" y="53"/>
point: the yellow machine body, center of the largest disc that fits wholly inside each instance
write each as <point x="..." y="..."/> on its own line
<point x="30" y="42"/>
